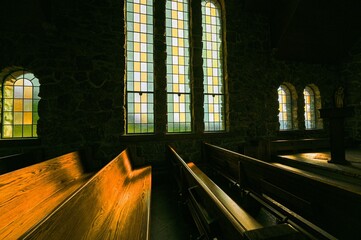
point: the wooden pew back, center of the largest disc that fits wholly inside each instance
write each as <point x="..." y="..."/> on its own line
<point x="212" y="200"/>
<point x="29" y="194"/>
<point x="113" y="204"/>
<point x="314" y="198"/>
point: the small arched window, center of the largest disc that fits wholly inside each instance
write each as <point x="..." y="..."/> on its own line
<point x="312" y="98"/>
<point x="20" y="100"/>
<point x="285" y="107"/>
<point x="310" y="113"/>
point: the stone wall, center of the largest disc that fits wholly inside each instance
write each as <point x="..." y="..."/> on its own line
<point x="76" y="49"/>
<point x="351" y="74"/>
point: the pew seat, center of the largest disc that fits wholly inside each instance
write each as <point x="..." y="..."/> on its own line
<point x="113" y="204"/>
<point x="29" y="194"/>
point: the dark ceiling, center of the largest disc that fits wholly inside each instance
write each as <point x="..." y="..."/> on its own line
<point x="317" y="31"/>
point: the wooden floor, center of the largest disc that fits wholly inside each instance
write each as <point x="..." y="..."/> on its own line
<point x="318" y="161"/>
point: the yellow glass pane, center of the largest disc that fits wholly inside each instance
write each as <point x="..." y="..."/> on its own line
<point x="176" y="107"/>
<point x="209" y="72"/>
<point x="28" y="117"/>
<point x="7" y="131"/>
<point x="137" y="27"/>
<point x="175" y="87"/>
<point x="137" y="66"/>
<point x="136" y="8"/>
<point x="18" y="105"/>
<point x="28" y="92"/>
<point x="175" y="51"/>
<point x="136" y="47"/>
<point x="8" y="91"/>
<point x="174" y="14"/>
<point x="143" y="18"/>
<point x="143" y="37"/>
<point x="213" y="12"/>
<point x="19" y="82"/>
<point x="143" y="57"/>
<point x="144" y="2"/>
<point x="144" y="118"/>
<point x="136" y="86"/>
<point x="175" y="69"/>
<point x="174" y="32"/>
<point x="181" y="24"/>
<point x="182" y="117"/>
<point x="143" y="77"/>
<point x="216" y="117"/>
<point x="180" y="7"/>
<point x="137" y="108"/>
<point x="181" y="61"/>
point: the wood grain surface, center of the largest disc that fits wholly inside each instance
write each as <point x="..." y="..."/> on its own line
<point x="29" y="194"/>
<point x="114" y="204"/>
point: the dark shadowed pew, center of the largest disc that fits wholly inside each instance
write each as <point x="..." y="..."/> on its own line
<point x="216" y="215"/>
<point x="113" y="204"/>
<point x="29" y="194"/>
<point x="322" y="206"/>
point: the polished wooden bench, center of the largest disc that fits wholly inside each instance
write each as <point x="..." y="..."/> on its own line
<point x="29" y="194"/>
<point x="215" y="213"/>
<point x="323" y="206"/>
<point x="113" y="204"/>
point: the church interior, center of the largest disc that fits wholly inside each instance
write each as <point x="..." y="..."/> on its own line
<point x="174" y="119"/>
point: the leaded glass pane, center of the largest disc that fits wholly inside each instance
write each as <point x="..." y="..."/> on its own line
<point x="20" y="105"/>
<point x="285" y="108"/>
<point x="178" y="100"/>
<point x="212" y="67"/>
<point x="139" y="77"/>
<point x="310" y="114"/>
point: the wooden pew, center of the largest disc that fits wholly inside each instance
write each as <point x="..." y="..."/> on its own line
<point x="29" y="194"/>
<point x="217" y="216"/>
<point x="324" y="207"/>
<point x="113" y="204"/>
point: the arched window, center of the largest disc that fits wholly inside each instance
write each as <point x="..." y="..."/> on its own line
<point x="212" y="66"/>
<point x="139" y="66"/>
<point x="285" y="107"/>
<point x="20" y="100"/>
<point x="312" y="98"/>
<point x="310" y="113"/>
<point x="178" y="89"/>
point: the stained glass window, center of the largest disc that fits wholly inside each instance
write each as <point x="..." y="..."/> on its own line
<point x="20" y="105"/>
<point x="212" y="67"/>
<point x="178" y="90"/>
<point x="285" y="108"/>
<point x="310" y="114"/>
<point x="139" y="66"/>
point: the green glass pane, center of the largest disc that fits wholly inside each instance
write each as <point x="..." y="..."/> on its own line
<point x="27" y="130"/>
<point x="18" y="131"/>
<point x="18" y="118"/>
<point x="35" y="134"/>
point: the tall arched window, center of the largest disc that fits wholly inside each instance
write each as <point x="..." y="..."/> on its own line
<point x="139" y="66"/>
<point x="178" y="89"/>
<point x="285" y="108"/>
<point x="310" y="112"/>
<point x="212" y="66"/>
<point x="20" y="100"/>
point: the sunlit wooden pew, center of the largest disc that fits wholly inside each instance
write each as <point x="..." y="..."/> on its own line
<point x="113" y="204"/>
<point x="324" y="207"/>
<point x="29" y="194"/>
<point x="216" y="215"/>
